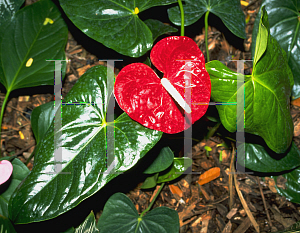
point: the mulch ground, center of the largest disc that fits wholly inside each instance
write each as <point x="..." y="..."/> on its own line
<point x="201" y="208"/>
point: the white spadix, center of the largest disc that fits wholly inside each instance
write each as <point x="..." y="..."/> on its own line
<point x="175" y="94"/>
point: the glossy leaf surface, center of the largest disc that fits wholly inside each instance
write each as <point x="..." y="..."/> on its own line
<point x="115" y="24"/>
<point x="20" y="171"/>
<point x="24" y="55"/>
<point x="140" y="93"/>
<point x="6" y="226"/>
<point x="292" y="190"/>
<point x="119" y="215"/>
<point x="179" y="166"/>
<point x="267" y="96"/>
<point x="41" y="119"/>
<point x="88" y="226"/>
<point x="162" y="161"/>
<point x="258" y="159"/>
<point x="150" y="182"/>
<point x="285" y="28"/>
<point x="229" y="11"/>
<point x="84" y="143"/>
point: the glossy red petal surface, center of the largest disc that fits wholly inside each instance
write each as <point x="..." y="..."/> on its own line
<point x="139" y="92"/>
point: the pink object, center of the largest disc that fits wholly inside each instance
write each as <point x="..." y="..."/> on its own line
<point x="6" y="170"/>
<point x="141" y="94"/>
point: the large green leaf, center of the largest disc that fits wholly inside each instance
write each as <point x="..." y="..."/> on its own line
<point x="6" y="226"/>
<point x="257" y="158"/>
<point x="20" y="171"/>
<point x="45" y="194"/>
<point x="115" y="24"/>
<point x="158" y="28"/>
<point x="41" y="119"/>
<point x="29" y="37"/>
<point x="292" y="190"/>
<point x="119" y="215"/>
<point x="267" y="96"/>
<point x="229" y="11"/>
<point x="161" y="162"/>
<point x="284" y="20"/>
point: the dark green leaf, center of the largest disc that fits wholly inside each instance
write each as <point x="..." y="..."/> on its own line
<point x="119" y="215"/>
<point x="70" y="230"/>
<point x="162" y="161"/>
<point x="284" y="20"/>
<point x="258" y="159"/>
<point x="178" y="167"/>
<point x="229" y="11"/>
<point x="147" y="62"/>
<point x="6" y="226"/>
<point x="150" y="182"/>
<point x="292" y="190"/>
<point x="114" y="23"/>
<point x="88" y="226"/>
<point x="28" y="38"/>
<point x="267" y="96"/>
<point x="20" y="171"/>
<point x="158" y="28"/>
<point x="41" y="118"/>
<point x="84" y="143"/>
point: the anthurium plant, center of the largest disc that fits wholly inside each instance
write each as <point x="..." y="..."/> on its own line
<point x="95" y="148"/>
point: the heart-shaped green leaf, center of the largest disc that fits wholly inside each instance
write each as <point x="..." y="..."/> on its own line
<point x="292" y="186"/>
<point x="36" y="33"/>
<point x="20" y="171"/>
<point x="115" y="24"/>
<point x="88" y="226"/>
<point x="284" y="20"/>
<point x="6" y="226"/>
<point x="150" y="182"/>
<point x="257" y="158"/>
<point x="41" y="119"/>
<point x="179" y="166"/>
<point x="267" y="96"/>
<point x="229" y="11"/>
<point x="162" y="161"/>
<point x="84" y="137"/>
<point x="119" y="215"/>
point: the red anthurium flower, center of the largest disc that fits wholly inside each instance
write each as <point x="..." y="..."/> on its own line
<point x="6" y="170"/>
<point x="175" y="102"/>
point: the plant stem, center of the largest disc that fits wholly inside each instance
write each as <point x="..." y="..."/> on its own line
<point x="153" y="200"/>
<point x="2" y="112"/>
<point x="206" y="28"/>
<point x="182" y="17"/>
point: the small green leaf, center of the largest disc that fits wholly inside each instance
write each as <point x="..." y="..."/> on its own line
<point x="150" y="182"/>
<point x="267" y="96"/>
<point x="158" y="28"/>
<point x="119" y="215"/>
<point x="115" y="24"/>
<point x="229" y="11"/>
<point x="27" y="43"/>
<point x="20" y="171"/>
<point x="162" y="161"/>
<point x="6" y="226"/>
<point x="259" y="159"/>
<point x="179" y="166"/>
<point x="285" y="28"/>
<point x="88" y="226"/>
<point x="292" y="190"/>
